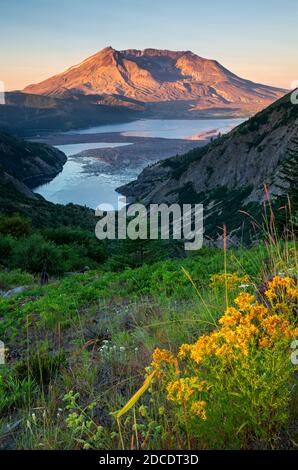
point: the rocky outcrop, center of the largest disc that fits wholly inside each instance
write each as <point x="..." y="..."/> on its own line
<point x="157" y="77"/>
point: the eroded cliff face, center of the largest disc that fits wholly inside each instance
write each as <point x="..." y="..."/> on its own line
<point x="159" y="76"/>
<point x="228" y="174"/>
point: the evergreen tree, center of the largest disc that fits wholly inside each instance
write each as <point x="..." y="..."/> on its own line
<point x="287" y="216"/>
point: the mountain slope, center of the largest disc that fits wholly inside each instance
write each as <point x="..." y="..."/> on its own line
<point x="228" y="174"/>
<point x="21" y="161"/>
<point x="158" y="76"/>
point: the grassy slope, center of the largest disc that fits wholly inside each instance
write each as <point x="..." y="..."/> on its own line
<point x="164" y="281"/>
<point x="135" y="311"/>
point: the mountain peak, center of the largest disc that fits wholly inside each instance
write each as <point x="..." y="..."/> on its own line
<point x="154" y="52"/>
<point x="104" y="51"/>
<point x="160" y="75"/>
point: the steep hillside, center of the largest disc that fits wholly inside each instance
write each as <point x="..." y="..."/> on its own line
<point x="26" y="160"/>
<point x="12" y="187"/>
<point x="228" y="174"/>
<point x="159" y="76"/>
<point x="19" y="162"/>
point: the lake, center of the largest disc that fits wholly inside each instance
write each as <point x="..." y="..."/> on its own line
<point x="75" y="184"/>
<point x="166" y="128"/>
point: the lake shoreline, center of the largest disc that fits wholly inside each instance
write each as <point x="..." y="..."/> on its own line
<point x="106" y="137"/>
<point x="104" y="158"/>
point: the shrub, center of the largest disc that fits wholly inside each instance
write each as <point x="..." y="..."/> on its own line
<point x="86" y="242"/>
<point x="232" y="387"/>
<point x="67" y="235"/>
<point x="6" y="249"/>
<point x="15" y="225"/>
<point x="34" y="254"/>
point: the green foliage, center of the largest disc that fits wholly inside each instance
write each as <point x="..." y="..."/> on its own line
<point x="162" y="281"/>
<point x="93" y="334"/>
<point x="15" y="225"/>
<point x="35" y="254"/>
<point x="135" y="253"/>
<point x="88" y="245"/>
<point x="85" y="432"/>
<point x="57" y="250"/>
<point x="251" y="402"/>
<point x="286" y="207"/>
<point x="6" y="249"/>
<point x="16" y="277"/>
<point x="41" y="365"/>
<point x="15" y="392"/>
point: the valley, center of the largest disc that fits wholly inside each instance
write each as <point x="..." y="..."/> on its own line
<point x="100" y="159"/>
<point x="166" y="320"/>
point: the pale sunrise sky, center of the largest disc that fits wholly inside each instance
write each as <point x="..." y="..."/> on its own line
<point x="256" y="40"/>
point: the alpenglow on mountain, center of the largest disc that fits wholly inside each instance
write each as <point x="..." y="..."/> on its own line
<point x="163" y="80"/>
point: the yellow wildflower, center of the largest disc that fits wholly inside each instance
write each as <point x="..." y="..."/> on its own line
<point x="284" y="287"/>
<point x="279" y="281"/>
<point x="224" y="350"/>
<point x="198" y="409"/>
<point x="205" y="346"/>
<point x="182" y="389"/>
<point x="244" y="300"/>
<point x="292" y="292"/>
<point x="271" y="295"/>
<point x="258" y="311"/>
<point x="230" y="280"/>
<point x="275" y="325"/>
<point x="239" y="337"/>
<point x="162" y="356"/>
<point x="230" y="317"/>
<point x="265" y="342"/>
<point x="185" y="350"/>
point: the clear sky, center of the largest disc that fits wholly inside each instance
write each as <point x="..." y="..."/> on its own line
<point x="257" y="39"/>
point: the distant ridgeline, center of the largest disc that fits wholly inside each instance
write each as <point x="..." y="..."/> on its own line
<point x="230" y="176"/>
<point x="25" y="113"/>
